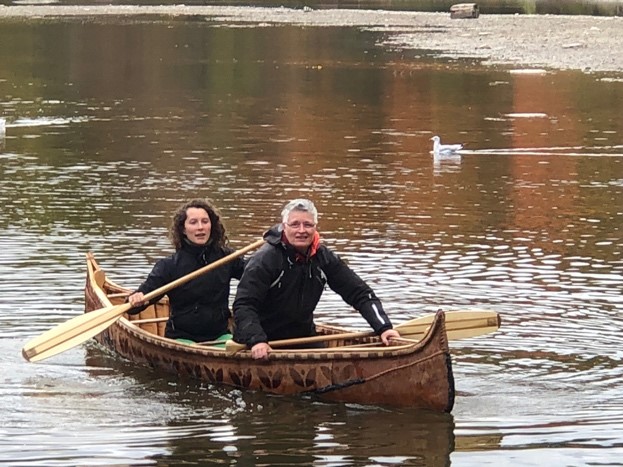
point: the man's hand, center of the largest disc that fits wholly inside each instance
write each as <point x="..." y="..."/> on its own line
<point x="389" y="334"/>
<point x="260" y="350"/>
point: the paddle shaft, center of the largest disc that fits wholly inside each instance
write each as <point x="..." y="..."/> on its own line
<point x="459" y="325"/>
<point x="188" y="277"/>
<point x="83" y="327"/>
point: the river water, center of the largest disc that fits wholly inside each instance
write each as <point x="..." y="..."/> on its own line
<point x="112" y="124"/>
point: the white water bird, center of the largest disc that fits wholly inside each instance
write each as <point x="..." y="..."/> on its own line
<point x="444" y="149"/>
<point x="2" y="127"/>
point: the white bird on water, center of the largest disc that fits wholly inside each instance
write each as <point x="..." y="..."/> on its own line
<point x="2" y="127"/>
<point x="444" y="149"/>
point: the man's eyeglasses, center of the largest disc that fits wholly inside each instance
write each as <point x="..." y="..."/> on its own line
<point x="305" y="225"/>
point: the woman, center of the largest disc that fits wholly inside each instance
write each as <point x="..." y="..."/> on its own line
<point x="200" y="307"/>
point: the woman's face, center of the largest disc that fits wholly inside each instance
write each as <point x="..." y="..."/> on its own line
<point x="197" y="226"/>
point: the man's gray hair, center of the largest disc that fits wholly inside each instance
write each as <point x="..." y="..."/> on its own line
<point x="300" y="204"/>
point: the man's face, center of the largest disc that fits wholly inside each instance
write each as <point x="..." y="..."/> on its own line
<point x="300" y="229"/>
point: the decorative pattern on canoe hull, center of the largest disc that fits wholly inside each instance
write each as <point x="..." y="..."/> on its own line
<point x="419" y="375"/>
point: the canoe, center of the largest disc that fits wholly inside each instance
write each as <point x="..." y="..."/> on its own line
<point x="355" y="369"/>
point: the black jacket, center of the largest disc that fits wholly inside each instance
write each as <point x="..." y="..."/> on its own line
<point x="199" y="308"/>
<point x="277" y="295"/>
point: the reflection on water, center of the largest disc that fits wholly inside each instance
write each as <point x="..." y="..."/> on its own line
<point x="446" y="163"/>
<point x="100" y="147"/>
<point x="255" y="428"/>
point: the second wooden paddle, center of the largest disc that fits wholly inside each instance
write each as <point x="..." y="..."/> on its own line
<point x="459" y="325"/>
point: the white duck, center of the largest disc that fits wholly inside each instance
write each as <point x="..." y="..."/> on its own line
<point x="444" y="149"/>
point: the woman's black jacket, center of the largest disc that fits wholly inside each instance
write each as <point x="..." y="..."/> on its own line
<point x="199" y="308"/>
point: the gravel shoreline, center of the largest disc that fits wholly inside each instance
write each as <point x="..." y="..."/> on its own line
<point x="586" y="43"/>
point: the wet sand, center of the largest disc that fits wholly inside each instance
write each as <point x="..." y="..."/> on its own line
<point x="587" y="43"/>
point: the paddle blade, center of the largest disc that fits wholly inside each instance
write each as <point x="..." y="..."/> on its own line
<point x="459" y="324"/>
<point x="72" y="333"/>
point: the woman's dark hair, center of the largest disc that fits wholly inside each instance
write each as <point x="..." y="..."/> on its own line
<point x="218" y="234"/>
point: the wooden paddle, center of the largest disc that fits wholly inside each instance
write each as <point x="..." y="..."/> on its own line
<point x="459" y="325"/>
<point x="79" y="329"/>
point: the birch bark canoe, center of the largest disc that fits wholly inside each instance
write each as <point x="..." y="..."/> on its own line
<point x="414" y="373"/>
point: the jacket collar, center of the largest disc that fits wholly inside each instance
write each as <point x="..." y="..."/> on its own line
<point x="198" y="251"/>
<point x="311" y="251"/>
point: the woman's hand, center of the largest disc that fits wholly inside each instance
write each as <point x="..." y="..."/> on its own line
<point x="137" y="299"/>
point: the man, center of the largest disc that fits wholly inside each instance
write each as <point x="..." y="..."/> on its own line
<point x="284" y="280"/>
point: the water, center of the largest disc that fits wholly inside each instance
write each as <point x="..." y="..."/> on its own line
<point x="110" y="125"/>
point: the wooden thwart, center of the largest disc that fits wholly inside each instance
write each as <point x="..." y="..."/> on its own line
<point x="149" y="320"/>
<point x="119" y="295"/>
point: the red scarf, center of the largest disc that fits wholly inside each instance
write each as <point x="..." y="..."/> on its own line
<point x="311" y="251"/>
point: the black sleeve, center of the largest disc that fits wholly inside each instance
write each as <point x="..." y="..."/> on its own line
<point x="160" y="275"/>
<point x="355" y="291"/>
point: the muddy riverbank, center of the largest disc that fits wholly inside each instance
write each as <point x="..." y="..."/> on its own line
<point x="587" y="43"/>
